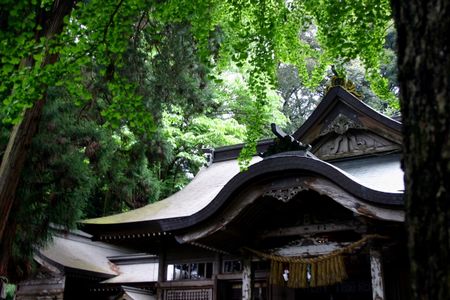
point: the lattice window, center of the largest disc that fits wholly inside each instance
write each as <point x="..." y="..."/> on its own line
<point x="198" y="294"/>
<point x="232" y="266"/>
<point x="192" y="271"/>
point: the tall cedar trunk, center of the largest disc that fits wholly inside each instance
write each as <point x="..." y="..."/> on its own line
<point x="424" y="76"/>
<point x="20" y="139"/>
<point x="6" y="245"/>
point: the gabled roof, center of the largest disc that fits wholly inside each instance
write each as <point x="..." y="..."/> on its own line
<point x="344" y="126"/>
<point x="340" y="119"/>
<point x="337" y="101"/>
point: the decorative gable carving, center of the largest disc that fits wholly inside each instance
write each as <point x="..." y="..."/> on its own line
<point x="340" y="125"/>
<point x="343" y="126"/>
<point x="285" y="195"/>
<point x="351" y="143"/>
<point x="347" y="136"/>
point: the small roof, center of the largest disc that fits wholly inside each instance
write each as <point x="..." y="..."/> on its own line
<point x="78" y="252"/>
<point x="131" y="293"/>
<point x="75" y="251"/>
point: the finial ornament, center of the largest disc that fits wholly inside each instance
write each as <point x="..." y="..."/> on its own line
<point x="339" y="80"/>
<point x="284" y="143"/>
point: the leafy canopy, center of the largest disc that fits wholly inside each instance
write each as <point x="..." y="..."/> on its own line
<point x="259" y="34"/>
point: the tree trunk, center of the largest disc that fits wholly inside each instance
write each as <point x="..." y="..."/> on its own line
<point x="6" y="246"/>
<point x="424" y="71"/>
<point x="20" y="139"/>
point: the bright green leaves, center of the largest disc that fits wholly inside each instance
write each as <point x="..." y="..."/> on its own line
<point x="310" y="35"/>
<point x="255" y="35"/>
<point x="349" y="30"/>
<point x="127" y="108"/>
<point x="187" y="138"/>
<point x="90" y="42"/>
<point x="251" y="30"/>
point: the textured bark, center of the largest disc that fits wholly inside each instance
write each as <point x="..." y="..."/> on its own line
<point x="14" y="160"/>
<point x="6" y="246"/>
<point x="20" y="139"/>
<point x="424" y="69"/>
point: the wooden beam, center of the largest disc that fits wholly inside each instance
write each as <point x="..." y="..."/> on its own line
<point x="349" y="201"/>
<point x="311" y="248"/>
<point x="376" y="271"/>
<point x="260" y="275"/>
<point x="206" y="283"/>
<point x="314" y="228"/>
<point x="321" y="185"/>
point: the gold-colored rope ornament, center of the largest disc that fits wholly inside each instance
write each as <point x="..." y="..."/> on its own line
<point x="347" y="84"/>
<point x="300" y="272"/>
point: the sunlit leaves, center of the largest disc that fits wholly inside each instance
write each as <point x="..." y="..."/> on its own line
<point x="254" y="35"/>
<point x="350" y="30"/>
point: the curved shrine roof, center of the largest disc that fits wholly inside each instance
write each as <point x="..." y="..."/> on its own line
<point x="368" y="170"/>
<point x="211" y="188"/>
<point x="192" y="198"/>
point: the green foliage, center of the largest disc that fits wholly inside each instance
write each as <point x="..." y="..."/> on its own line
<point x="256" y="34"/>
<point x="78" y="168"/>
<point x="91" y="157"/>
<point x="236" y="100"/>
<point x="10" y="291"/>
<point x="263" y="33"/>
<point x="299" y="100"/>
<point x="58" y="174"/>
<point x="349" y="30"/>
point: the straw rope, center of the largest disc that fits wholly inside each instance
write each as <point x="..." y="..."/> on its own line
<point x="324" y="270"/>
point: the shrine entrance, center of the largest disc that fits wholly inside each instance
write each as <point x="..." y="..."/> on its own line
<point x="301" y="246"/>
<point x="356" y="287"/>
<point x="232" y="290"/>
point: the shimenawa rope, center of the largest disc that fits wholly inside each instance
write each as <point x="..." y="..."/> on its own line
<point x="317" y="271"/>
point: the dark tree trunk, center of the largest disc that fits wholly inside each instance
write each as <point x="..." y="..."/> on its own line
<point x="6" y="245"/>
<point x="14" y="160"/>
<point x="424" y="74"/>
<point x="20" y="139"/>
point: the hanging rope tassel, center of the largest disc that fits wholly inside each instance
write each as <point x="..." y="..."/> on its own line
<point x="276" y="273"/>
<point x="324" y="270"/>
<point x="303" y="280"/>
<point x="341" y="268"/>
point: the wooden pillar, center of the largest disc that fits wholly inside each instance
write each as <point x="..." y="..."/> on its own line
<point x="376" y="270"/>
<point x="247" y="279"/>
<point x="217" y="267"/>
<point x="161" y="270"/>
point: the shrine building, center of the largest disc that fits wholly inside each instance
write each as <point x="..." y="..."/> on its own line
<point x="318" y="215"/>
